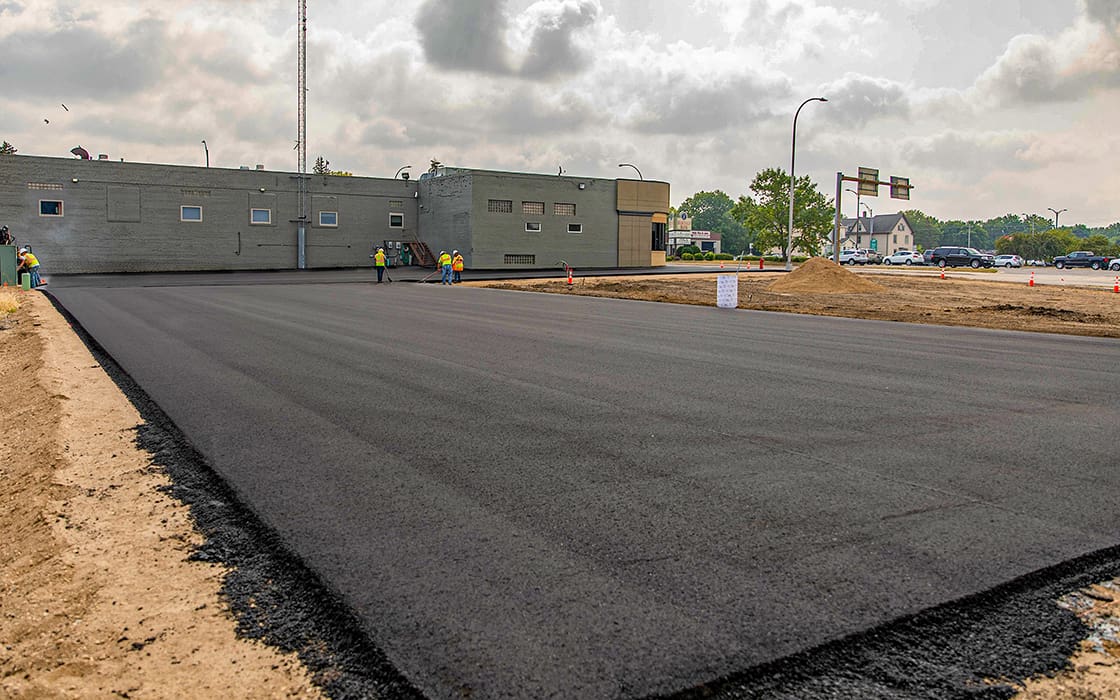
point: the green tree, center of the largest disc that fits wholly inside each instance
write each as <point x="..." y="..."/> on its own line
<point x="766" y="213"/>
<point x="7" y="149"/>
<point x="927" y="229"/>
<point x="1099" y="244"/>
<point x="711" y="211"/>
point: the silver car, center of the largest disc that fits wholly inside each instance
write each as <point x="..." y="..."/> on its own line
<point x="905" y="257"/>
<point x="1008" y="261"/>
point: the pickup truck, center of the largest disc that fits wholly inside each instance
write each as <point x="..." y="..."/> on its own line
<point x="1081" y="258"/>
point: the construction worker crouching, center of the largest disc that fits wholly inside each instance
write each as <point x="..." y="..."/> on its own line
<point x="457" y="266"/>
<point x="379" y="263"/>
<point x="444" y="267"/>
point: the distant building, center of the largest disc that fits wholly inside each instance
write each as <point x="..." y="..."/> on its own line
<point x="86" y="216"/>
<point x="885" y="233"/>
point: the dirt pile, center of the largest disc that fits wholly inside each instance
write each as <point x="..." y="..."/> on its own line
<point x="820" y="276"/>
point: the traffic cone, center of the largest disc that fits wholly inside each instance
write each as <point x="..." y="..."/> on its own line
<point x="569" y="276"/>
<point x="942" y="273"/>
<point x="1116" y="285"/>
<point x="721" y="264"/>
<point x="1031" y="283"/>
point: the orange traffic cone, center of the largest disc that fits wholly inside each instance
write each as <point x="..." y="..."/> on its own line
<point x="1031" y="283"/>
<point x="569" y="275"/>
<point x="942" y="273"/>
<point x="721" y="264"/>
<point x="1116" y="285"/>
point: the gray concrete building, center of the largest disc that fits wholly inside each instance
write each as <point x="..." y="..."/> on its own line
<point x="91" y="216"/>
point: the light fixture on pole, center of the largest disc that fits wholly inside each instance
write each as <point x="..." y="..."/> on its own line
<point x="628" y="165"/>
<point x="793" y="180"/>
<point x="856" y="193"/>
<point x="1056" y="213"/>
<point x="207" y="149"/>
<point x="400" y="170"/>
<point x="870" y="225"/>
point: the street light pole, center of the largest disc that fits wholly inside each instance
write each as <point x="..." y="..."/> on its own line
<point x="628" y="165"/>
<point x="856" y="193"/>
<point x="793" y="180"/>
<point x="207" y="149"/>
<point x="400" y="170"/>
<point x="1057" y="212"/>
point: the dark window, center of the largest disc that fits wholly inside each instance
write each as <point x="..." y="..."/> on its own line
<point x="50" y="207"/>
<point x="658" y="240"/>
<point x="396" y="221"/>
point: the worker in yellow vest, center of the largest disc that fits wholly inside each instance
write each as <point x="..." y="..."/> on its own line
<point x="457" y="266"/>
<point x="444" y="267"/>
<point x="379" y="263"/>
<point x="30" y="264"/>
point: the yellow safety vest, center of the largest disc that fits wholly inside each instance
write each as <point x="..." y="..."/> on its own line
<point x="379" y="259"/>
<point x="457" y="263"/>
<point x="444" y="259"/>
<point x="30" y="259"/>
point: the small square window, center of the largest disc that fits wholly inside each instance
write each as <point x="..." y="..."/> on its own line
<point x="260" y="216"/>
<point x="50" y="207"/>
<point x="499" y="206"/>
<point x="575" y="228"/>
<point x="190" y="213"/>
<point x="396" y="220"/>
<point x="534" y="208"/>
<point x="563" y="209"/>
<point x="533" y="226"/>
<point x="328" y="219"/>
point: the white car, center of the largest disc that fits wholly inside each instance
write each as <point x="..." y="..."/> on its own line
<point x="853" y="257"/>
<point x="905" y="257"/>
<point x="1008" y="261"/>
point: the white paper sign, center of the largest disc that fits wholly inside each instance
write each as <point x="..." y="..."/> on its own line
<point x="727" y="291"/>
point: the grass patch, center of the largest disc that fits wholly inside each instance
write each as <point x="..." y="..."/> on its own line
<point x="9" y="302"/>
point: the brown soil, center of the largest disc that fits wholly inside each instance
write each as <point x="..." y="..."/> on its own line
<point x="97" y="595"/>
<point x="825" y="289"/>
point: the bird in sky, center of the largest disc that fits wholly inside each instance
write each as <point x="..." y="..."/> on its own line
<point x="65" y="107"/>
<point x="46" y="121"/>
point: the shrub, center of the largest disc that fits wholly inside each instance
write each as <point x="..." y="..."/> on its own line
<point x="687" y="256"/>
<point x="688" y="249"/>
<point x="709" y="255"/>
<point x="724" y="256"/>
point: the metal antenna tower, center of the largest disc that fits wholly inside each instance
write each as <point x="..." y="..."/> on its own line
<point x="301" y="143"/>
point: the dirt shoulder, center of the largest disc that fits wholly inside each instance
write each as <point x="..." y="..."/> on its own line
<point x="980" y="303"/>
<point x="97" y="593"/>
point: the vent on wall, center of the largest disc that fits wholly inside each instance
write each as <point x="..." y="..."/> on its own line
<point x="509" y="259"/>
<point x="43" y="186"/>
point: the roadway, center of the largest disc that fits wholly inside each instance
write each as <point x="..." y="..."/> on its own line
<point x="524" y="495"/>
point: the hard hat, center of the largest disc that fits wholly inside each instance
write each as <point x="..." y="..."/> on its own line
<point x="23" y="250"/>
<point x="381" y="250"/>
<point x="455" y="251"/>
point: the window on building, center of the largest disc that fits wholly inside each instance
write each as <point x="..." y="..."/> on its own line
<point x="50" y="207"/>
<point x="532" y="208"/>
<point x="896" y="238"/>
<point x="396" y="204"/>
<point x="533" y="226"/>
<point x="396" y="220"/>
<point x="260" y="216"/>
<point x="190" y="213"/>
<point x="657" y="239"/>
<point x="328" y="219"/>
<point x="500" y="206"/>
<point x="562" y="209"/>
<point x="509" y="259"/>
<point x="575" y="228"/>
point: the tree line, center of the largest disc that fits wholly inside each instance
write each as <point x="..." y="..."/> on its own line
<point x="761" y="219"/>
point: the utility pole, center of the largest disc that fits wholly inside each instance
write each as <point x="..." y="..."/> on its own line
<point x="301" y="144"/>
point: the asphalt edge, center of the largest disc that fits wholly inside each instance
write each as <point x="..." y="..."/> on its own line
<point x="272" y="595"/>
<point x="979" y="646"/>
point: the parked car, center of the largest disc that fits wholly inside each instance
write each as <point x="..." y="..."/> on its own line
<point x="1114" y="265"/>
<point x="873" y="257"/>
<point x="956" y="256"/>
<point x="1008" y="261"/>
<point x="905" y="257"/>
<point x="1037" y="263"/>
<point x="853" y="256"/>
<point x="927" y="256"/>
<point x="1082" y="258"/>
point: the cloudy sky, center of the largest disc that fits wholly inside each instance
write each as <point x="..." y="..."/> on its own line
<point x="989" y="107"/>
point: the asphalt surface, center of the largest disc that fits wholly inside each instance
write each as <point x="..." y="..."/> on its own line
<point x="524" y="495"/>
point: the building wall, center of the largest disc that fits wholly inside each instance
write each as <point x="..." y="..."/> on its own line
<point x="641" y="204"/>
<point x="125" y="217"/>
<point x="456" y="213"/>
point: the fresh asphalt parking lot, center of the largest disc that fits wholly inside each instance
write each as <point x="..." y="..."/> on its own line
<point x="523" y="495"/>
